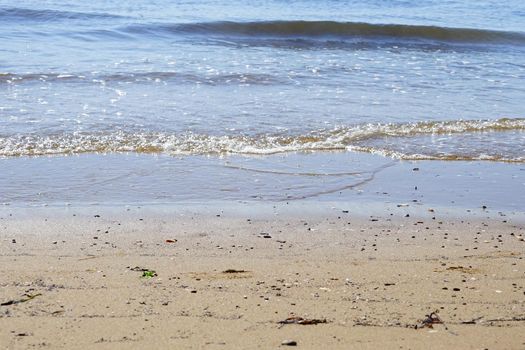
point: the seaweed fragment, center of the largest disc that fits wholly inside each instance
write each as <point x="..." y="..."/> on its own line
<point x="146" y="273"/>
<point x="234" y="271"/>
<point x="430" y="320"/>
<point x="302" y="321"/>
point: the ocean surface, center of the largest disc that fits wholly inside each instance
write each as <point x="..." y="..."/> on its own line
<point x="265" y="87"/>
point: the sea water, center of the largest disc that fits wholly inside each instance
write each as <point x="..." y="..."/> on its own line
<point x="162" y="101"/>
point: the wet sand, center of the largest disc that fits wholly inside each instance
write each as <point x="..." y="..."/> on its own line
<point x="218" y="279"/>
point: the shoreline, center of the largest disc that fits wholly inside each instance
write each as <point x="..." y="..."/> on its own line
<point x="349" y="178"/>
<point x="225" y="279"/>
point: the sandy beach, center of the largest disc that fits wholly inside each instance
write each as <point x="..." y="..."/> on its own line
<point x="226" y="279"/>
<point x="262" y="174"/>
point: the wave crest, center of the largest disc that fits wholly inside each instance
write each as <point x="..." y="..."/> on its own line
<point x="344" y="30"/>
<point x="46" y="15"/>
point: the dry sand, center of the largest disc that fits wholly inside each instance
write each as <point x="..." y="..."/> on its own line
<point x="75" y="280"/>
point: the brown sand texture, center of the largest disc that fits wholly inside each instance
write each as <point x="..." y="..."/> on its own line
<point x="98" y="280"/>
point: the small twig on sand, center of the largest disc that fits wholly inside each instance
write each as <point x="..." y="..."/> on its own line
<point x="513" y="319"/>
<point x="22" y="300"/>
<point x="473" y="321"/>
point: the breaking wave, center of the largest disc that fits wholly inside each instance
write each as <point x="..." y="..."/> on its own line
<point x="363" y="138"/>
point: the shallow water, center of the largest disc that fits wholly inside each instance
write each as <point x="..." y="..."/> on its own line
<point x="350" y="179"/>
<point x="442" y="81"/>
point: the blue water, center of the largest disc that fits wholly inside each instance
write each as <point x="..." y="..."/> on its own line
<point x="413" y="80"/>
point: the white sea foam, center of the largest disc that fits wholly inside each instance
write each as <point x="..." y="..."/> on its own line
<point x="391" y="140"/>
